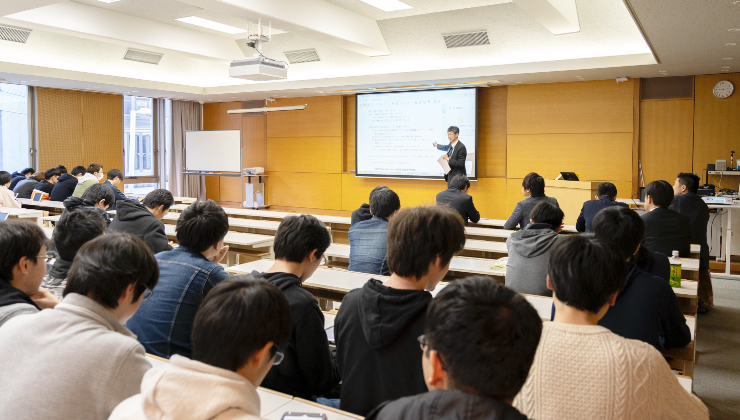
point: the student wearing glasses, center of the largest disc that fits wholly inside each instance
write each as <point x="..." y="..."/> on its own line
<point x="229" y="361"/>
<point x="79" y="359"/>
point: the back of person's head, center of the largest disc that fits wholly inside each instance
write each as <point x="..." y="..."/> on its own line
<point x="62" y="169"/>
<point x="19" y="238"/>
<point x="661" y="192"/>
<point x="78" y="170"/>
<point x="28" y="171"/>
<point x="219" y="336"/>
<point x="38" y="176"/>
<point x="417" y="235"/>
<point x="115" y="173"/>
<point x="76" y="228"/>
<point x="547" y="213"/>
<point x="585" y="271"/>
<point x="94" y="167"/>
<point x="160" y="197"/>
<point x="453" y="129"/>
<point x="535" y="184"/>
<point x="607" y="189"/>
<point x="384" y="202"/>
<point x="298" y="235"/>
<point x="486" y="336"/>
<point x="460" y="182"/>
<point x="97" y="192"/>
<point x="621" y="225"/>
<point x="5" y="177"/>
<point x="50" y="173"/>
<point x="105" y="266"/>
<point x="690" y="181"/>
<point x="201" y="225"/>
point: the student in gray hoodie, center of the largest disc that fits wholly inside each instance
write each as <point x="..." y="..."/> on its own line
<point x="526" y="269"/>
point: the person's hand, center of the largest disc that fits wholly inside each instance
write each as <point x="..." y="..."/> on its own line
<point x="434" y="144"/>
<point x="173" y="243"/>
<point x="220" y="256"/>
<point x="445" y="157"/>
<point x="44" y="299"/>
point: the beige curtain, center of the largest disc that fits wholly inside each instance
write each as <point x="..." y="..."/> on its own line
<point x="185" y="116"/>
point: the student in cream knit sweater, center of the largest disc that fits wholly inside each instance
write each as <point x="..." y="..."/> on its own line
<point x="584" y="371"/>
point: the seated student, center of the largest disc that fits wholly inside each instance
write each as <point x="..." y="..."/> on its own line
<point x="22" y="268"/>
<point x="606" y="195"/>
<point x="145" y="219"/>
<point x="533" y="187"/>
<point x="97" y="198"/>
<point x="666" y="230"/>
<point x="51" y="177"/>
<point x="62" y="169"/>
<point x="79" y="359"/>
<point x="654" y="263"/>
<point x="529" y="249"/>
<point x="377" y="326"/>
<point x="70" y="233"/>
<point x="309" y="369"/>
<point x="7" y="196"/>
<point x="478" y="345"/>
<point x="93" y="175"/>
<point x="646" y="308"/>
<point x="612" y="377"/>
<point x="115" y="177"/>
<point x="66" y="184"/>
<point x="25" y="187"/>
<point x="19" y="176"/>
<point x="363" y="213"/>
<point x="457" y="197"/>
<point x="164" y="323"/>
<point x="686" y="202"/>
<point x="229" y="361"/>
<point x="368" y="239"/>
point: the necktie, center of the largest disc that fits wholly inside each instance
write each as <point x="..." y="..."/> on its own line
<point x="449" y="152"/>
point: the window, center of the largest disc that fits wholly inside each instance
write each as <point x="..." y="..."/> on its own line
<point x="167" y="141"/>
<point x="142" y="189"/>
<point x="14" y="149"/>
<point x="138" y="118"/>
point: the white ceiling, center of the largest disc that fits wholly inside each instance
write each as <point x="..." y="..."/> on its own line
<point x="687" y="36"/>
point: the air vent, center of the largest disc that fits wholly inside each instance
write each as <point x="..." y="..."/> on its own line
<point x="466" y="40"/>
<point x="13" y="34"/>
<point x="302" y="56"/>
<point x="142" y="56"/>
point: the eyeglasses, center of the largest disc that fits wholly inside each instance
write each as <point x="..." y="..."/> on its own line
<point x="147" y="294"/>
<point x="323" y="260"/>
<point x="47" y="258"/>
<point x="422" y="339"/>
<point x="278" y="355"/>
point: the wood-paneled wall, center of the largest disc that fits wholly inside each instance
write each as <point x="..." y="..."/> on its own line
<point x="666" y="138"/>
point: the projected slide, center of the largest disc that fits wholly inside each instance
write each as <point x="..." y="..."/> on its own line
<point x="395" y="131"/>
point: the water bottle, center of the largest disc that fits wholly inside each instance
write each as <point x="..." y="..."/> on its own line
<point x="675" y="279"/>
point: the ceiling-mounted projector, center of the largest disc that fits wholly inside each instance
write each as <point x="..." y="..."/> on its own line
<point x="259" y="69"/>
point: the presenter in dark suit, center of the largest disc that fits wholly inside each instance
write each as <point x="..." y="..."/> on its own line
<point x="456" y="154"/>
<point x="666" y="230"/>
<point x="606" y="193"/>
<point x="457" y="197"/>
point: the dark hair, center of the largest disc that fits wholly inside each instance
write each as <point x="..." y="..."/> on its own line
<point x="62" y="169"/>
<point x="201" y="225"/>
<point x="417" y="235"/>
<point x="606" y="189"/>
<point x="535" y="184"/>
<point x="97" y="192"/>
<point x="94" y="167"/>
<point x="113" y="173"/>
<point x="621" y="225"/>
<point x="298" y="235"/>
<point x="5" y="177"/>
<point x="691" y="181"/>
<point x="384" y="202"/>
<point x="585" y="270"/>
<point x="219" y="336"/>
<point x="19" y="238"/>
<point x="486" y="335"/>
<point x="661" y="192"/>
<point x="38" y="176"/>
<point x="547" y="213"/>
<point x="28" y="171"/>
<point x="460" y="182"/>
<point x="78" y="170"/>
<point x="50" y="173"/>
<point x="160" y="197"/>
<point x="453" y="129"/>
<point x="106" y="265"/>
<point x="76" y="228"/>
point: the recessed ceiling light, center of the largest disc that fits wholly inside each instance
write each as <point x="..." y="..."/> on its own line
<point x="725" y="67"/>
<point x="734" y="29"/>
<point x="725" y="70"/>
<point x="388" y="5"/>
<point x="519" y="82"/>
<point x="727" y="58"/>
<point x="731" y="44"/>
<point x="205" y="23"/>
<point x="108" y="1"/>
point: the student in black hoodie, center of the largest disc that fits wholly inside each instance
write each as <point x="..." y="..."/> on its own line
<point x="377" y="326"/>
<point x="363" y="213"/>
<point x="145" y="220"/>
<point x="646" y="308"/>
<point x="308" y="370"/>
<point x="97" y="199"/>
<point x="479" y="342"/>
<point x="66" y="184"/>
<point x="51" y="177"/>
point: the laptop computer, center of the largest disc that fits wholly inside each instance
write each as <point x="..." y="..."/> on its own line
<point x="4" y="216"/>
<point x="38" y="195"/>
<point x="569" y="176"/>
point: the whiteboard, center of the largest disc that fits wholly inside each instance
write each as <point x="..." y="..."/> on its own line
<point x="213" y="151"/>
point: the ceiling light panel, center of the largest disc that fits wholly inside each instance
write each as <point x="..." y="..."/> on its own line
<point x="388" y="5"/>
<point x="108" y="1"/>
<point x="205" y="23"/>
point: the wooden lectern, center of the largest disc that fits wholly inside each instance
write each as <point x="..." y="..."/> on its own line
<point x="571" y="195"/>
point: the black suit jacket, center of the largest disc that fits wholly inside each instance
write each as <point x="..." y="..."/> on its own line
<point x="589" y="210"/>
<point x="693" y="207"/>
<point x="461" y="202"/>
<point x="457" y="161"/>
<point x="667" y="230"/>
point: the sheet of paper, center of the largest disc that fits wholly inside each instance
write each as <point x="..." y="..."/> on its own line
<point x="443" y="163"/>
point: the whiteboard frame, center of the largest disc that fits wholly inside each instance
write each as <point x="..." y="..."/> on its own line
<point x="239" y="174"/>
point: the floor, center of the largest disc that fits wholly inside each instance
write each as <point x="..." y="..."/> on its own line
<point x="717" y="370"/>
